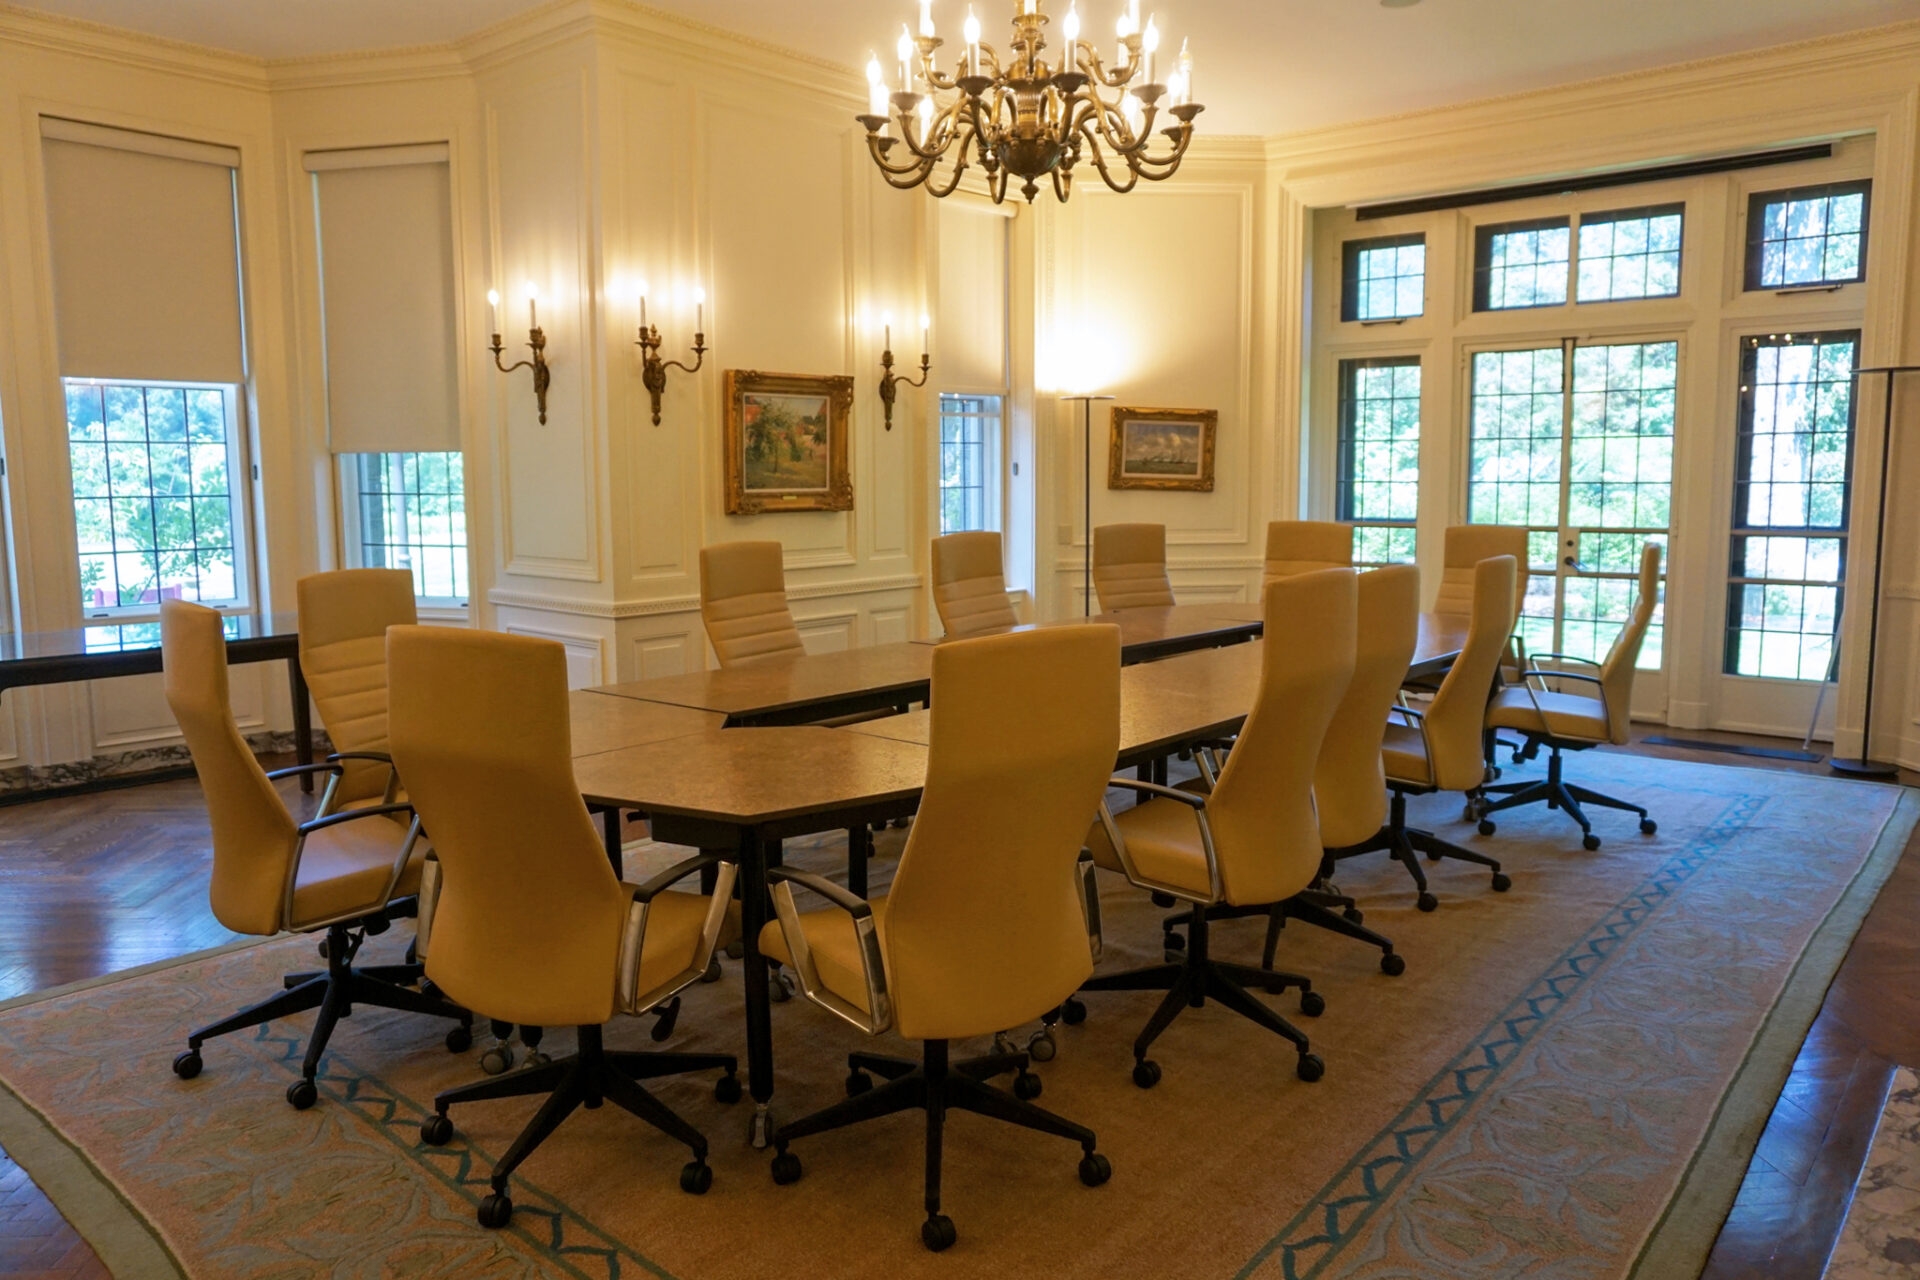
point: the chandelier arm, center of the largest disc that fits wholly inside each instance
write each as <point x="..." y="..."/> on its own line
<point x="1106" y="174"/>
<point x="879" y="154"/>
<point x="930" y="151"/>
<point x="953" y="179"/>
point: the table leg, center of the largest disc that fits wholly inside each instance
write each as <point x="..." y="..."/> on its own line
<point x="610" y="832"/>
<point x="302" y="718"/>
<point x="859" y="849"/>
<point x="753" y="917"/>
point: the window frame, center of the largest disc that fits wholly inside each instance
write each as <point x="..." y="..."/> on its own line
<point x="1483" y="237"/>
<point x="1647" y="212"/>
<point x="353" y="547"/>
<point x="1346" y="375"/>
<point x="1753" y="249"/>
<point x="1350" y="252"/>
<point x="239" y="495"/>
<point x="993" y="447"/>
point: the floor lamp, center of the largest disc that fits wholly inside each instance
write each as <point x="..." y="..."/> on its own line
<point x="1086" y="490"/>
<point x="1865" y="766"/>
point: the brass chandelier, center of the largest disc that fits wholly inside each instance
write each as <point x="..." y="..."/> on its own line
<point x="1028" y="118"/>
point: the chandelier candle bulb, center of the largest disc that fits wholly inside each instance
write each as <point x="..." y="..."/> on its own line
<point x="972" y="32"/>
<point x="1150" y="41"/>
<point x="493" y="310"/>
<point x="1186" y="75"/>
<point x="1070" y="28"/>
<point x="926" y="19"/>
<point x="641" y="291"/>
<point x="699" y="312"/>
<point x="926" y="330"/>
<point x="905" y="49"/>
<point x="533" y="315"/>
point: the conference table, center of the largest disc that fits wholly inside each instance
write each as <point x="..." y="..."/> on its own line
<point x="744" y="777"/>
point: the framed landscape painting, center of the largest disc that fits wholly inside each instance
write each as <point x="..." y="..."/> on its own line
<point x="1162" y="449"/>
<point x="786" y="446"/>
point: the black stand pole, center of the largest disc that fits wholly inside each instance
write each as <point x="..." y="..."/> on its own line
<point x="1086" y="499"/>
<point x="1865" y="766"/>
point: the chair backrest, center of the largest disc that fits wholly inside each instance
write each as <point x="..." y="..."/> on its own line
<point x="1295" y="547"/>
<point x="527" y="926"/>
<point x="743" y="601"/>
<point x="1466" y="546"/>
<point x="985" y="928"/>
<point x="1264" y="828"/>
<point x="969" y="586"/>
<point x="1616" y="673"/>
<point x="344" y="616"/>
<point x="1459" y="709"/>
<point x="1130" y="566"/>
<point x="1350" y="782"/>
<point x="253" y="834"/>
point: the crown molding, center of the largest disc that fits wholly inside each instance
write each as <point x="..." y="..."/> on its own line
<point x="55" y="33"/>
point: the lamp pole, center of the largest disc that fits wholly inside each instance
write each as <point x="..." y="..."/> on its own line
<point x="1086" y="497"/>
<point x="1865" y="766"/>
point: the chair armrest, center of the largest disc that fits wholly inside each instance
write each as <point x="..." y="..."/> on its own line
<point x="378" y="757"/>
<point x="1191" y="799"/>
<point x="1565" y="657"/>
<point x="629" y="995"/>
<point x="1086" y="870"/>
<point x="350" y="815"/>
<point x="1562" y="675"/>
<point x="878" y="1015"/>
<point x="398" y="869"/>
<point x="294" y="771"/>
<point x="1198" y="803"/>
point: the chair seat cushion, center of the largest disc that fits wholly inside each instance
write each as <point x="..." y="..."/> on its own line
<point x="674" y="923"/>
<point x="1163" y="840"/>
<point x="1404" y="753"/>
<point x="344" y="870"/>
<point x="835" y="947"/>
<point x="1558" y="715"/>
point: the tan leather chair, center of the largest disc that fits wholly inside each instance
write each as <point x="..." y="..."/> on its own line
<point x="992" y="919"/>
<point x="272" y="874"/>
<point x="1295" y="547"/>
<point x="1252" y="838"/>
<point x="1440" y="749"/>
<point x="743" y="601"/>
<point x="1130" y="566"/>
<point x="1572" y="720"/>
<point x="480" y="730"/>
<point x="1465" y="547"/>
<point x="344" y="616"/>
<point x="969" y="586"/>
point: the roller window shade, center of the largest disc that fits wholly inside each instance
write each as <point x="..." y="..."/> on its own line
<point x="146" y="267"/>
<point x="971" y="330"/>
<point x="386" y="281"/>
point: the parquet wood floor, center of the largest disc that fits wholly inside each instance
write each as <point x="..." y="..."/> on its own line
<point x="94" y="884"/>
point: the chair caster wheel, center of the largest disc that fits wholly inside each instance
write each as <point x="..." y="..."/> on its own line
<point x="436" y="1131"/>
<point x="301" y="1094"/>
<point x="1434" y="857"/>
<point x="1501" y="882"/>
<point x="1146" y="1073"/>
<point x="322" y="947"/>
<point x="1026" y="1086"/>
<point x="1393" y="965"/>
<point x="736" y="950"/>
<point x="663" y="1025"/>
<point x="1648" y="826"/>
<point x="858" y="1082"/>
<point x="1164" y="901"/>
<point x="1312" y="1004"/>
<point x="1073" y="1012"/>
<point x="1173" y="942"/>
<point x="786" y="1169"/>
<point x="459" y="1040"/>
<point x="1471" y="812"/>
<point x="695" y="1177"/>
<point x="779" y="988"/>
<point x="1095" y="1169"/>
<point x="1310" y="1068"/>
<point x="1040" y="1046"/>
<point x="712" y="973"/>
<point x="937" y="1233"/>
<point x="1354" y="915"/>
<point x="497" y="1060"/>
<point x="726" y="1089"/>
<point x="1426" y="902"/>
<point x="1487" y="827"/>
<point x="496" y="1211"/>
<point x="188" y="1064"/>
<point x="1589" y="841"/>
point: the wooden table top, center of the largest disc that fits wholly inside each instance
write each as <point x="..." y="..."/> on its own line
<point x="792" y="687"/>
<point x="1145" y="630"/>
<point x="602" y="722"/>
<point x="750" y="777"/>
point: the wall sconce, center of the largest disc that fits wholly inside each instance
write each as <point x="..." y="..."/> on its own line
<point x="653" y="371"/>
<point x="889" y="380"/>
<point x="536" y="342"/>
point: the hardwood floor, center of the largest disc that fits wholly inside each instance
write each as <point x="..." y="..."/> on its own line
<point x="94" y="884"/>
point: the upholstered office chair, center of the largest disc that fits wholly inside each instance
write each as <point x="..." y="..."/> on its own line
<point x="344" y="616"/>
<point x="1349" y="782"/>
<point x="1465" y="547"/>
<point x="969" y="587"/>
<point x="1575" y="720"/>
<point x="345" y="873"/>
<point x="479" y="727"/>
<point x="743" y="601"/>
<point x="992" y="919"/>
<point x="1130" y="566"/>
<point x="1295" y="547"/>
<point x="1253" y="838"/>
<point x="1440" y="749"/>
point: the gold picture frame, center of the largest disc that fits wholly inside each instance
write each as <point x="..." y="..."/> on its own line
<point x="786" y="445"/>
<point x="1162" y="448"/>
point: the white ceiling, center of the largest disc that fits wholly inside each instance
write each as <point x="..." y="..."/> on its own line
<point x="1263" y="66"/>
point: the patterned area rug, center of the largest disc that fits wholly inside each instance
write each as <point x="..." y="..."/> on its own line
<point x="1881" y="1238"/>
<point x="1567" y="1081"/>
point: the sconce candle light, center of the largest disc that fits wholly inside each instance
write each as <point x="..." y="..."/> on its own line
<point x="536" y="342"/>
<point x="889" y="380"/>
<point x="653" y="371"/>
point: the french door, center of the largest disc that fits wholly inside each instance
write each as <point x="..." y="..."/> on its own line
<point x="1575" y="442"/>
